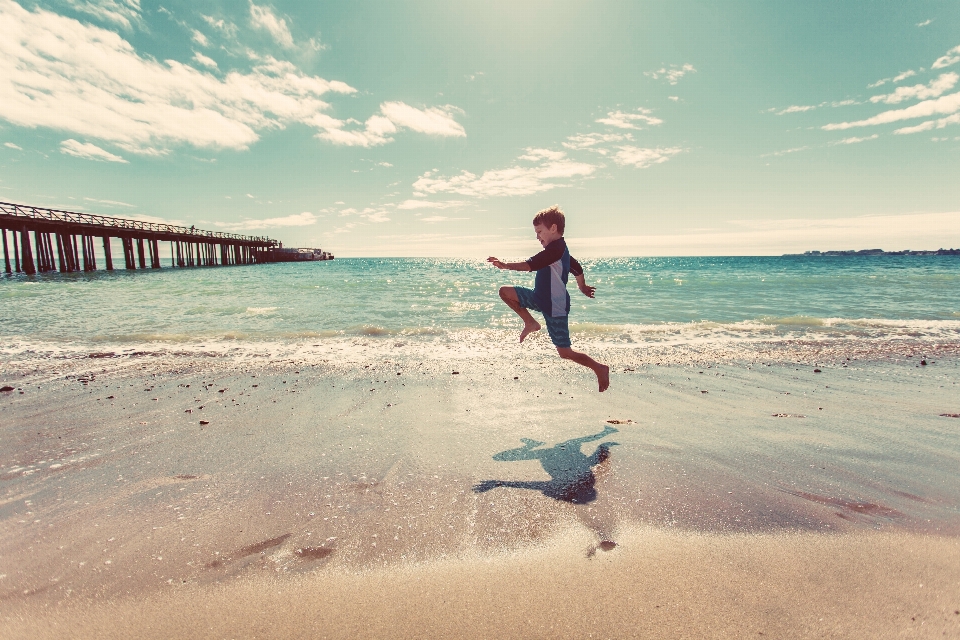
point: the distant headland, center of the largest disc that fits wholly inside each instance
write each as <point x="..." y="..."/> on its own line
<point x="878" y="252"/>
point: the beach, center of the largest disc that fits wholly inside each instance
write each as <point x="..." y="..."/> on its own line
<point x="368" y="486"/>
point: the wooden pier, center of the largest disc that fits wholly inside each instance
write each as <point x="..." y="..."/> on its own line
<point x="41" y="238"/>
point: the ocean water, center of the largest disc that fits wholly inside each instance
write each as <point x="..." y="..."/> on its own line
<point x="638" y="300"/>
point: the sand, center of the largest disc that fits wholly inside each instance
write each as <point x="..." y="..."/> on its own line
<point x="709" y="493"/>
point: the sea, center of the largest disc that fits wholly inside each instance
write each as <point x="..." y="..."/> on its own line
<point x="451" y="300"/>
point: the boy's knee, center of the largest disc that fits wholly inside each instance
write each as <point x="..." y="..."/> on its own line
<point x="507" y="293"/>
<point x="565" y="352"/>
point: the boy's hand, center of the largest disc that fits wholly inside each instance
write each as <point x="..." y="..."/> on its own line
<point x="586" y="289"/>
<point x="496" y="262"/>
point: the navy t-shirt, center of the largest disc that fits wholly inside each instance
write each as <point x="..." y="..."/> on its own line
<point x="553" y="266"/>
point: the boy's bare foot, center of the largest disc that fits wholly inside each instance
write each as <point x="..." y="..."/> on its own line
<point x="528" y="329"/>
<point x="603" y="377"/>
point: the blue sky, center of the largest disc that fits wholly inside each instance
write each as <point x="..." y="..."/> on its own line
<point x="439" y="128"/>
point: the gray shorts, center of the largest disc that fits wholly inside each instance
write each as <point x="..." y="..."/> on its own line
<point x="557" y="326"/>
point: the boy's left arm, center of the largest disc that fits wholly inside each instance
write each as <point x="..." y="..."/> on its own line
<point x="577" y="272"/>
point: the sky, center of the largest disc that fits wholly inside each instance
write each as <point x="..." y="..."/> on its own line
<point x="440" y="128"/>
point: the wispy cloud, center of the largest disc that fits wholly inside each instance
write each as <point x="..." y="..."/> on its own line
<point x="784" y="152"/>
<point x="673" y="74"/>
<point x="111" y="203"/>
<point x="643" y="158"/>
<point x="895" y="79"/>
<point x="13" y="146"/>
<point x="426" y="204"/>
<point x="369" y="213"/>
<point x="536" y="155"/>
<point x="200" y="39"/>
<point x="855" y="140"/>
<point x="204" y="60"/>
<point x="924" y="23"/>
<point x="929" y="125"/>
<point x="944" y="105"/>
<point x="304" y="219"/>
<point x="434" y="219"/>
<point x="88" y="151"/>
<point x="628" y="120"/>
<point x="264" y="18"/>
<point x="796" y="109"/>
<point x="950" y="58"/>
<point x="594" y="141"/>
<point x="937" y="87"/>
<point x="513" y="181"/>
<point x="123" y="13"/>
<point x="437" y="121"/>
<point x="59" y="73"/>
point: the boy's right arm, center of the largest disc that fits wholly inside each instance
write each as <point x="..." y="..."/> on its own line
<point x="511" y="266"/>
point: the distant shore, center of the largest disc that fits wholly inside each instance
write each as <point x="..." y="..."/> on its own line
<point x="878" y="252"/>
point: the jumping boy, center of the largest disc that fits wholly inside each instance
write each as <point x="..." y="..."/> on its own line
<point x="549" y="296"/>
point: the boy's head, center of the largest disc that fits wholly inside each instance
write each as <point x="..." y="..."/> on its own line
<point x="549" y="224"/>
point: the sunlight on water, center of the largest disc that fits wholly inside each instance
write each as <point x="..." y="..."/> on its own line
<point x="389" y="297"/>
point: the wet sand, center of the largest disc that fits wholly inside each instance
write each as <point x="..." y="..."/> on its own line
<point x="707" y="494"/>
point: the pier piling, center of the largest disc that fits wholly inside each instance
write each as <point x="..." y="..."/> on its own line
<point x="75" y="235"/>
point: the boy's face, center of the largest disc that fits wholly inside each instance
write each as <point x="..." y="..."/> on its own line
<point x="546" y="235"/>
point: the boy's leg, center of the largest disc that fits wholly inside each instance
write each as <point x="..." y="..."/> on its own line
<point x="509" y="295"/>
<point x="602" y="370"/>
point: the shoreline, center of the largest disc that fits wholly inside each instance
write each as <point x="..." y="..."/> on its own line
<point x="314" y="465"/>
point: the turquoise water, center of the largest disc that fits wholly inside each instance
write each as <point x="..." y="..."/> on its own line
<point x="917" y="295"/>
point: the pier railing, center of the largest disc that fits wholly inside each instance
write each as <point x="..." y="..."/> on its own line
<point x="75" y="232"/>
<point x="9" y="209"/>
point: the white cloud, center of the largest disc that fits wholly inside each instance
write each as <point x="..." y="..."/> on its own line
<point x="59" y="73"/>
<point x="515" y="181"/>
<point x="384" y="164"/>
<point x="119" y="12"/>
<point x="950" y="58"/>
<point x="591" y="141"/>
<point x="264" y="18"/>
<point x="897" y="78"/>
<point x="937" y="87"/>
<point x="371" y="214"/>
<point x="674" y="98"/>
<point x="643" y="158"/>
<point x="88" y="151"/>
<point x="855" y="140"/>
<point x="943" y="105"/>
<point x="536" y="155"/>
<point x="784" y="152"/>
<point x="378" y="128"/>
<point x="200" y="39"/>
<point x="626" y="120"/>
<point x="111" y="203"/>
<point x="13" y="146"/>
<point x="226" y="28"/>
<point x="204" y="60"/>
<point x="432" y="219"/>
<point x="796" y="109"/>
<point x="426" y="204"/>
<point x="304" y="219"/>
<point x="930" y="124"/>
<point x="924" y="23"/>
<point x="435" y="121"/>
<point x="673" y="74"/>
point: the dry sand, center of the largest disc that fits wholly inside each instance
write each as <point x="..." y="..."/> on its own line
<point x="738" y="494"/>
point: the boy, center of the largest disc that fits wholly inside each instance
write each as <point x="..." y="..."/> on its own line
<point x="549" y="295"/>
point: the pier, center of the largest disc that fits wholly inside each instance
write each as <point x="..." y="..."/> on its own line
<point x="42" y="240"/>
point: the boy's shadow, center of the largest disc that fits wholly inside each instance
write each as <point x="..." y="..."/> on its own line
<point x="572" y="477"/>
